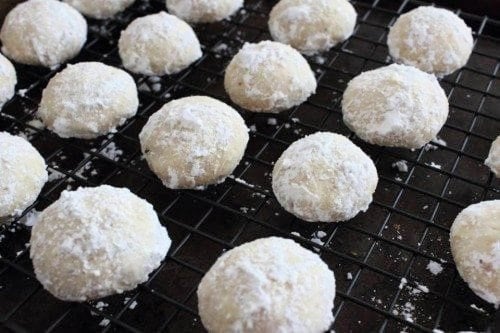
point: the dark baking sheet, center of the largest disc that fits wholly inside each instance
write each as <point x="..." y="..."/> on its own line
<point x="405" y="227"/>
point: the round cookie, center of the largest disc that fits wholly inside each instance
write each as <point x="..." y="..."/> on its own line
<point x="22" y="174"/>
<point x="268" y="285"/>
<point x="493" y="160"/>
<point x="432" y="39"/>
<point x="158" y="44"/>
<point x="95" y="242"/>
<point x="88" y="100"/>
<point x="193" y="142"/>
<point x="475" y="245"/>
<point x="324" y="177"/>
<point x="395" y="106"/>
<point x="203" y="11"/>
<point x="43" y="33"/>
<point x="99" y="9"/>
<point x="312" y="26"/>
<point x="269" y="77"/>
<point x="8" y="80"/>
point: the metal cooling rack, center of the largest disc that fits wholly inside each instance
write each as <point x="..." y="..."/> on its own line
<point x="405" y="228"/>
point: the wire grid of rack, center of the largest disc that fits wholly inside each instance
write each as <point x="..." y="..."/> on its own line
<point x="405" y="228"/>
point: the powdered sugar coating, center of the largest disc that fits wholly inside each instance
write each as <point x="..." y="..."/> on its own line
<point x="99" y="9"/>
<point x="324" y="177"/>
<point x="475" y="245"/>
<point x="43" y="33"/>
<point x="194" y="141"/>
<point x="158" y="44"/>
<point x="22" y="174"/>
<point x="203" y="11"/>
<point x="268" y="285"/>
<point x="493" y="160"/>
<point x="434" y="40"/>
<point x="88" y="100"/>
<point x="395" y="106"/>
<point x="95" y="242"/>
<point x="8" y="80"/>
<point x="312" y="26"/>
<point x="269" y="77"/>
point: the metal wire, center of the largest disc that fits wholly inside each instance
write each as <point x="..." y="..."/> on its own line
<point x="406" y="227"/>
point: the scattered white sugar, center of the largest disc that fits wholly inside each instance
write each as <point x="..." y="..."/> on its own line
<point x="101" y="305"/>
<point x="272" y="121"/>
<point x="474" y="306"/>
<point x="126" y="299"/>
<point x="320" y="60"/>
<point x="436" y="330"/>
<point x="399" y="237"/>
<point x="220" y="48"/>
<point x="295" y="233"/>
<point x="244" y="210"/>
<point x="422" y="288"/>
<point x="295" y="119"/>
<point x="317" y="241"/>
<point x="401" y="165"/>
<point x="349" y="276"/>
<point x="144" y="87"/>
<point x="434" y="267"/>
<point x="22" y="92"/>
<point x="320" y="234"/>
<point x="154" y="79"/>
<point x="407" y="311"/>
<point x="18" y="253"/>
<point x="55" y="175"/>
<point x="399" y="179"/>
<point x="112" y="152"/>
<point x="425" y="207"/>
<point x="156" y="87"/>
<point x="437" y="140"/>
<point x="36" y="123"/>
<point x="133" y="305"/>
<point x="241" y="181"/>
<point x="403" y="283"/>
<point x="440" y="141"/>
<point x="434" y="165"/>
<point x="253" y="128"/>
<point x="104" y="322"/>
<point x="31" y="218"/>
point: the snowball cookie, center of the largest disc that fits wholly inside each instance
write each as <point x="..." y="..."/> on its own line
<point x="324" y="177"/>
<point x="88" y="100"/>
<point x="22" y="174"/>
<point x="203" y="11"/>
<point x="99" y="9"/>
<point x="493" y="160"/>
<point x="475" y="245"/>
<point x="158" y="44"/>
<point x="193" y="142"/>
<point x="43" y="33"/>
<point x="268" y="285"/>
<point x="312" y="26"/>
<point x="8" y="80"/>
<point x="269" y="77"/>
<point x="96" y="242"/>
<point x="432" y="39"/>
<point x="395" y="106"/>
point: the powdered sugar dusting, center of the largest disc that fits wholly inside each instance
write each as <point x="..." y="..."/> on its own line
<point x="94" y="242"/>
<point x="396" y="106"/>
<point x="324" y="177"/>
<point x="194" y="141"/>
<point x="282" y="288"/>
